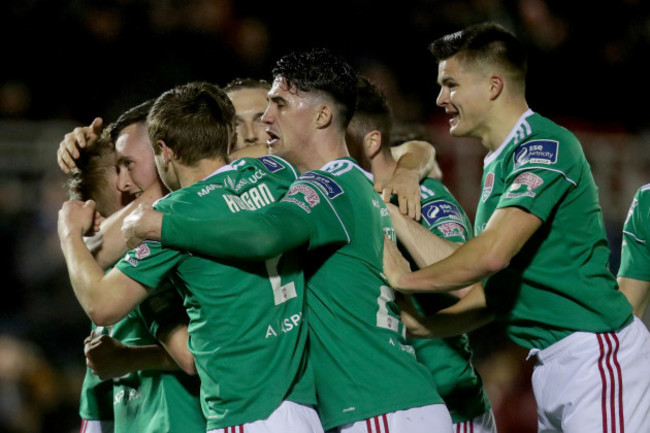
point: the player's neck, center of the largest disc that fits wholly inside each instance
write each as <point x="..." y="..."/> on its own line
<point x="502" y="124"/>
<point x="188" y="175"/>
<point x="382" y="166"/>
<point x="321" y="152"/>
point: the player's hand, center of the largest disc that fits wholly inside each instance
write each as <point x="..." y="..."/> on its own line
<point x="80" y="138"/>
<point x="143" y="223"/>
<point x="412" y="320"/>
<point x="405" y="184"/>
<point x="395" y="265"/>
<point x="104" y="357"/>
<point x="78" y="217"/>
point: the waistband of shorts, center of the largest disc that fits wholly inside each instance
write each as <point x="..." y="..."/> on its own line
<point x="574" y="340"/>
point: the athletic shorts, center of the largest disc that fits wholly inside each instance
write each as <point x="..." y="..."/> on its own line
<point x="481" y="424"/>
<point x="433" y="418"/>
<point x="288" y="417"/>
<point x="595" y="382"/>
<point x="96" y="426"/>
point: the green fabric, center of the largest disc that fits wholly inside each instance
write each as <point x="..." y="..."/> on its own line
<point x="362" y="364"/>
<point x="635" y="250"/>
<point x="154" y="400"/>
<point x="450" y="359"/>
<point x="246" y="331"/>
<point x="559" y="282"/>
<point x="96" y="398"/>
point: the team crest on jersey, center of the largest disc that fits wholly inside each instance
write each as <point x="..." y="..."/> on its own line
<point x="271" y="164"/>
<point x="439" y="210"/>
<point x="452" y="229"/>
<point x="142" y="251"/>
<point x="488" y="185"/>
<point x="528" y="180"/>
<point x="311" y="196"/>
<point x="331" y="188"/>
<point x="536" y="152"/>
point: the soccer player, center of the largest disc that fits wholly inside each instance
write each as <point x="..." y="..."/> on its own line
<point x="249" y="99"/>
<point x="539" y="244"/>
<point x="449" y="360"/>
<point x="366" y="374"/>
<point x="245" y="328"/>
<point x="144" y="387"/>
<point x="634" y="272"/>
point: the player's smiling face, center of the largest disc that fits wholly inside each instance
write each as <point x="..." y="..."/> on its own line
<point x="288" y="119"/>
<point x="464" y="94"/>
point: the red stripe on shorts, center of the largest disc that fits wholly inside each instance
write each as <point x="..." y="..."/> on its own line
<point x="620" y="384"/>
<point x="603" y="380"/>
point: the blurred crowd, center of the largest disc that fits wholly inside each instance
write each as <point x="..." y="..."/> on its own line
<point x="67" y="62"/>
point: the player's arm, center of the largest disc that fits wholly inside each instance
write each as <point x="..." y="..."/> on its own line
<point x="174" y="340"/>
<point x="106" y="298"/>
<point x="637" y="293"/>
<point x="506" y="233"/>
<point x="247" y="235"/>
<point x="113" y="247"/>
<point x="415" y="161"/>
<point x="466" y="315"/>
<point x="424" y="246"/>
<point x="109" y="358"/>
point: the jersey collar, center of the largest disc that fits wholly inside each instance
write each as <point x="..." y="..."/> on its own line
<point x="494" y="155"/>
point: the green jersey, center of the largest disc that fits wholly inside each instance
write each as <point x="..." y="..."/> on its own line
<point x="96" y="398"/>
<point x="245" y="328"/>
<point x="448" y="359"/>
<point x="559" y="282"/>
<point x="155" y="400"/>
<point x="635" y="251"/>
<point x="362" y="363"/>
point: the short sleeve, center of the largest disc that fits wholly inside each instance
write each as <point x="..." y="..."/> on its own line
<point x="317" y="197"/>
<point x="635" y="256"/>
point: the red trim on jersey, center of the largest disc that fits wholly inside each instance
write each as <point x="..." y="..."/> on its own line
<point x="84" y="423"/>
<point x="385" y="423"/>
<point x="377" y="424"/>
<point x="368" y="425"/>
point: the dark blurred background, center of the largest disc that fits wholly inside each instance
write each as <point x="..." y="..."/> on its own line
<point x="66" y="62"/>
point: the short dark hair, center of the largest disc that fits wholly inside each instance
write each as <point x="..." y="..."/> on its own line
<point x="137" y="114"/>
<point x="196" y="120"/>
<point x="88" y="180"/>
<point x="486" y="42"/>
<point x="372" y="113"/>
<point x="319" y="70"/>
<point x="246" y="83"/>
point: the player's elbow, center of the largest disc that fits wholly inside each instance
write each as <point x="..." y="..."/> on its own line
<point x="186" y="363"/>
<point x="102" y="317"/>
<point x="494" y="262"/>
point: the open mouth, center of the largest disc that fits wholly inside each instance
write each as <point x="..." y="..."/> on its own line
<point x="273" y="138"/>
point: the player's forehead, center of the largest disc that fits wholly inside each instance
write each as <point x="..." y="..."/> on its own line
<point x="248" y="99"/>
<point x="132" y="141"/>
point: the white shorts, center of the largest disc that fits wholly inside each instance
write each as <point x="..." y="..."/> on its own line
<point x="433" y="418"/>
<point x="481" y="424"/>
<point x="595" y="382"/>
<point x="288" y="417"/>
<point x="96" y="426"/>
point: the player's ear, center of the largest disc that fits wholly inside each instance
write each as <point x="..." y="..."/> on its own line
<point x="496" y="86"/>
<point x="167" y="152"/>
<point x="323" y="116"/>
<point x="372" y="143"/>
